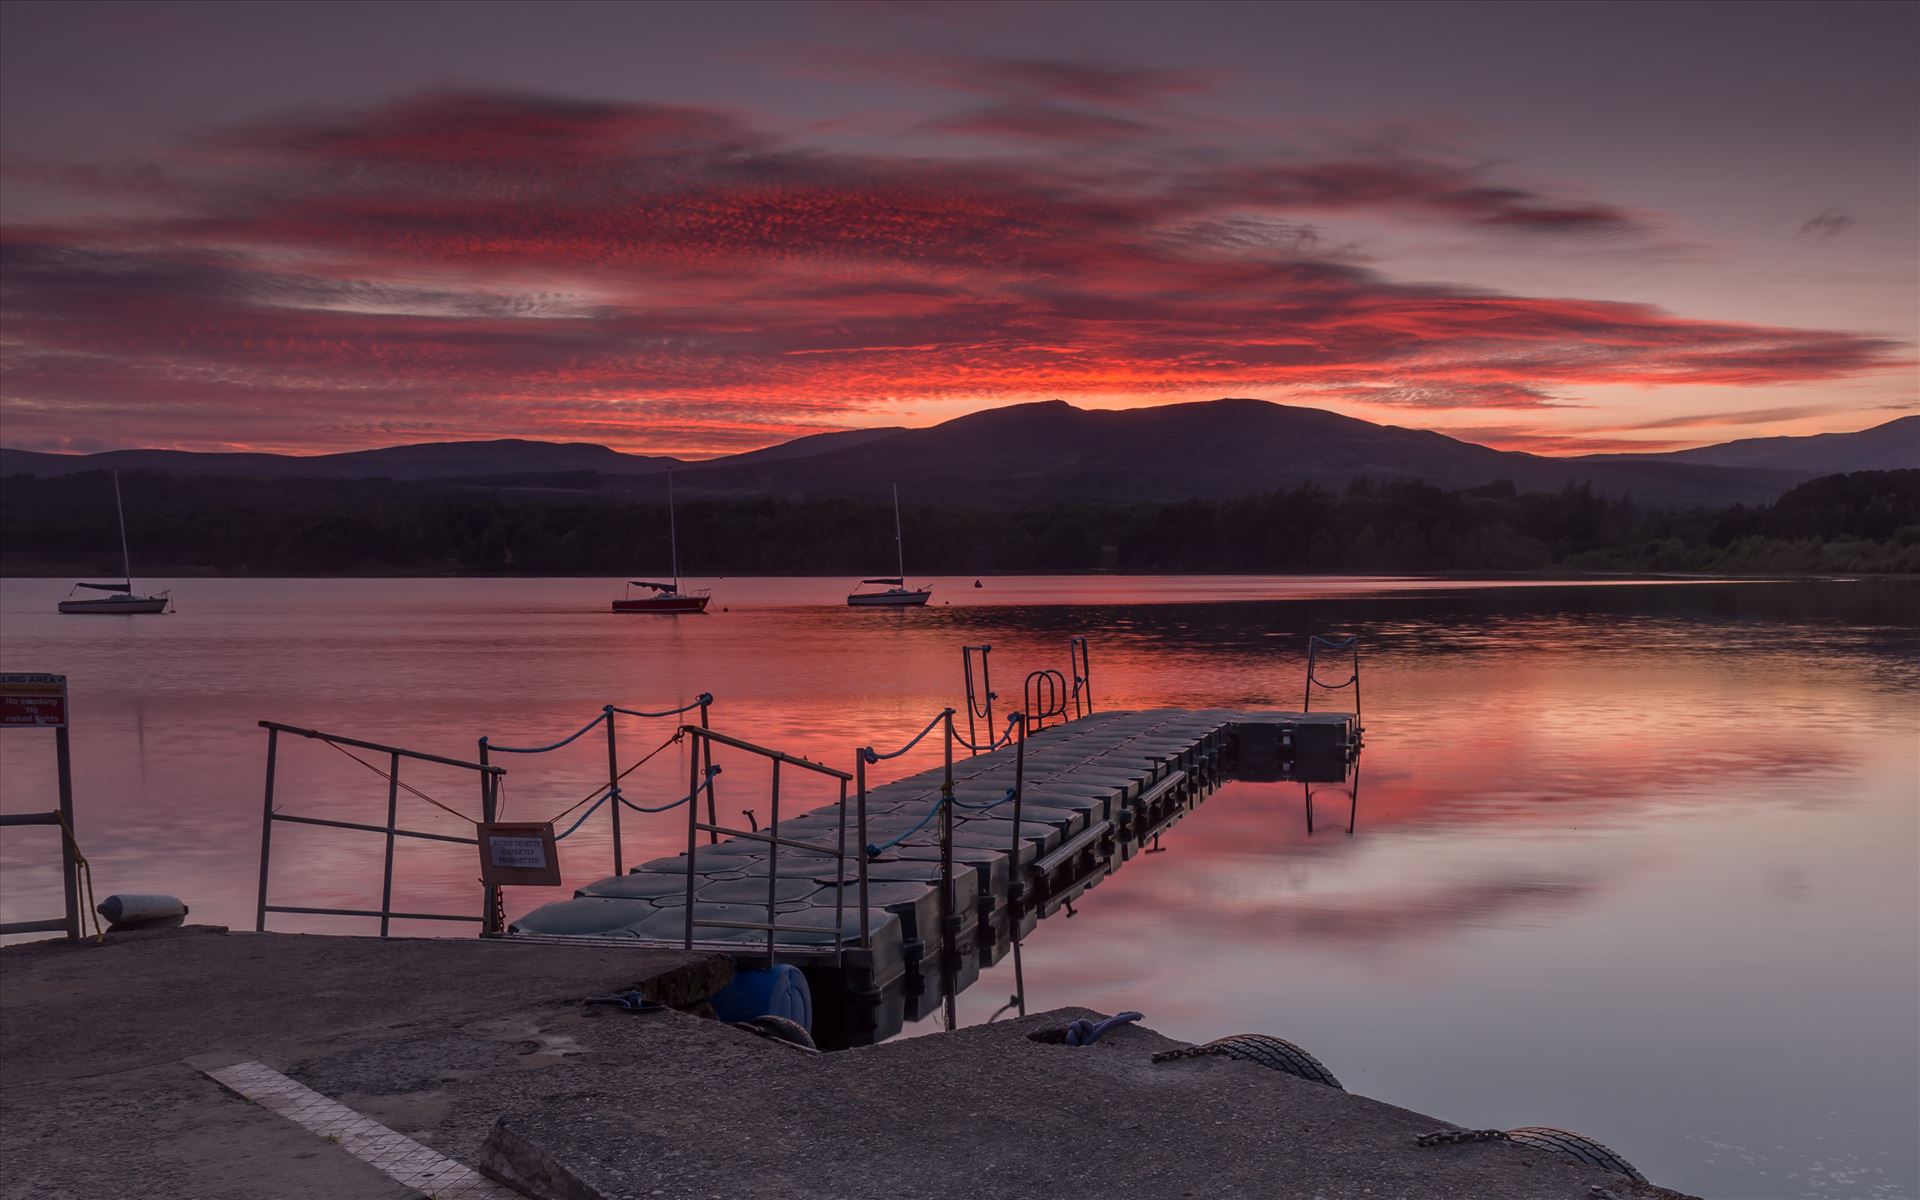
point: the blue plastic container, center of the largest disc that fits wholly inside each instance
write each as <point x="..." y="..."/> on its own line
<point x="778" y="992"/>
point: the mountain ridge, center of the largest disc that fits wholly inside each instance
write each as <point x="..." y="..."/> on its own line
<point x="1049" y="451"/>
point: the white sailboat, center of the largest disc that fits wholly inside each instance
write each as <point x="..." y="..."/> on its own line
<point x="120" y="600"/>
<point x="897" y="593"/>
<point x="664" y="597"/>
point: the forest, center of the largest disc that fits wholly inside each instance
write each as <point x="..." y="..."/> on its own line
<point x="1868" y="521"/>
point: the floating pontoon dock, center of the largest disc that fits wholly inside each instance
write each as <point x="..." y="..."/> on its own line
<point x="1089" y="794"/>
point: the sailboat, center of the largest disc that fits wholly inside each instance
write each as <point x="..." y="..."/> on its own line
<point x="897" y="593"/>
<point x="120" y="599"/>
<point x="664" y="597"/>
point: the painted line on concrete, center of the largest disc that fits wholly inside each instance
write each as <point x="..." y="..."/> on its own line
<point x="395" y="1155"/>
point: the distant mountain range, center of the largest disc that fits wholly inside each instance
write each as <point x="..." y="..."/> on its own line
<point x="1054" y="452"/>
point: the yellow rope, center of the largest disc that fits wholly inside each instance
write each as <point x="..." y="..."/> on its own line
<point x="84" y="870"/>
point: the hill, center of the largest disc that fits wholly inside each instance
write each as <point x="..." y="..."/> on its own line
<point x="1055" y="453"/>
<point x="428" y="460"/>
<point x="1892" y="446"/>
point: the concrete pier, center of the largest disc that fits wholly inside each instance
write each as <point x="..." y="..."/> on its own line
<point x="119" y="1063"/>
<point x="1094" y="792"/>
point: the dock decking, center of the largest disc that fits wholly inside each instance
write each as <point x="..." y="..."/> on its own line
<point x="1094" y="792"/>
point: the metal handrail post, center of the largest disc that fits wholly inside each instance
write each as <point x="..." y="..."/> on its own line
<point x="693" y="835"/>
<point x="773" y="859"/>
<point x="69" y="848"/>
<point x="393" y="820"/>
<point x="490" y="896"/>
<point x="1017" y="880"/>
<point x="1082" y="676"/>
<point x="839" y="885"/>
<point x="948" y="967"/>
<point x="860" y="836"/>
<point x="266" y="832"/>
<point x="613" y="791"/>
<point x="706" y="764"/>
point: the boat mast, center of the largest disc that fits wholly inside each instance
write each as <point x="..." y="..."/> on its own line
<point x="899" y="547"/>
<point x="673" y="533"/>
<point x="126" y="560"/>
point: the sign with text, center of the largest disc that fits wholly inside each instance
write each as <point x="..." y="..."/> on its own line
<point x="518" y="853"/>
<point x="30" y="699"/>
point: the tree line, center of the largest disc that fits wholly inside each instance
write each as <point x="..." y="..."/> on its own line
<point x="1860" y="522"/>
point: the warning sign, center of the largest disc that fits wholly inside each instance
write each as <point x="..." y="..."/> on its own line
<point x="30" y="699"/>
<point x="518" y="852"/>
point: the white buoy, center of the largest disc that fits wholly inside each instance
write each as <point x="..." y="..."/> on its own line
<point x="141" y="909"/>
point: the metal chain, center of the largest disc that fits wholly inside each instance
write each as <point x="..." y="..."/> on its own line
<point x="1448" y="1137"/>
<point x="1184" y="1052"/>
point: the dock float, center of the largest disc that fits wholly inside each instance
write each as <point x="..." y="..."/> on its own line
<point x="879" y="942"/>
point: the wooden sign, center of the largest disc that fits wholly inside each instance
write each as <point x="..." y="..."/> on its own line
<point x="518" y="853"/>
<point x="30" y="699"/>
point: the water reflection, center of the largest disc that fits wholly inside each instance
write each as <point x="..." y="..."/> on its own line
<point x="1626" y="849"/>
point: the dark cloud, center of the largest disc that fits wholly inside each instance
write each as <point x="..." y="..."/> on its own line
<point x="485" y="263"/>
<point x="1829" y="223"/>
<point x="1040" y="121"/>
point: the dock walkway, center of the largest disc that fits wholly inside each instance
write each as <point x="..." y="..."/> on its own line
<point x="1094" y="792"/>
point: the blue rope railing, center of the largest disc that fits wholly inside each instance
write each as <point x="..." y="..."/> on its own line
<point x="584" y="730"/>
<point x="702" y="698"/>
<point x="705" y="783"/>
<point x="876" y="849"/>
<point x="616" y="794"/>
<point x="874" y="756"/>
<point x="1005" y="739"/>
<point x="606" y="712"/>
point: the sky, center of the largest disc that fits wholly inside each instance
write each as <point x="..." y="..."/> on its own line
<point x="700" y="229"/>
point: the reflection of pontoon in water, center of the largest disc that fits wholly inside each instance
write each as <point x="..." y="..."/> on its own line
<point x="898" y="594"/>
<point x="120" y="600"/>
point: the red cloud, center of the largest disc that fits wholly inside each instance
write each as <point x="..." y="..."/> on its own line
<point x="488" y="264"/>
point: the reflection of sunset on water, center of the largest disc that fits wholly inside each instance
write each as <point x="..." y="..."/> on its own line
<point x="1591" y="821"/>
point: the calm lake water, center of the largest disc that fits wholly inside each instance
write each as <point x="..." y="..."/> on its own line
<point x="1637" y="860"/>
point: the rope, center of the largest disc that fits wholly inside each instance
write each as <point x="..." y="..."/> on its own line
<point x="1085" y="1033"/>
<point x="584" y="729"/>
<point x="984" y="807"/>
<point x="1005" y="739"/>
<point x="703" y="698"/>
<point x="84" y="870"/>
<point x="614" y="783"/>
<point x="876" y="850"/>
<point x="704" y="785"/>
<point x="390" y="779"/>
<point x="873" y="756"/>
<point x="582" y="821"/>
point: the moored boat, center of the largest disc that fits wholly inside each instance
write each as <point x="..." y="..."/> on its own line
<point x="897" y="593"/>
<point x="664" y="597"/>
<point x="120" y="599"/>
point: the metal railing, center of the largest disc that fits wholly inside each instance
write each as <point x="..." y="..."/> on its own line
<point x="488" y="777"/>
<point x="611" y="789"/>
<point x="979" y="699"/>
<point x="62" y="817"/>
<point x="704" y="739"/>
<point x="1043" y="695"/>
<point x="1318" y="646"/>
<point x="1082" y="671"/>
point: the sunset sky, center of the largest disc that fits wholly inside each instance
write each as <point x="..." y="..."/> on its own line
<point x="697" y="230"/>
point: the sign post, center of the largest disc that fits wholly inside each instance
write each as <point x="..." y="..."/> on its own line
<point x="30" y="700"/>
<point x="518" y="852"/>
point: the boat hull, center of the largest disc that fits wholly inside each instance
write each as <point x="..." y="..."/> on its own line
<point x="899" y="599"/>
<point x="662" y="604"/>
<point x="117" y="606"/>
